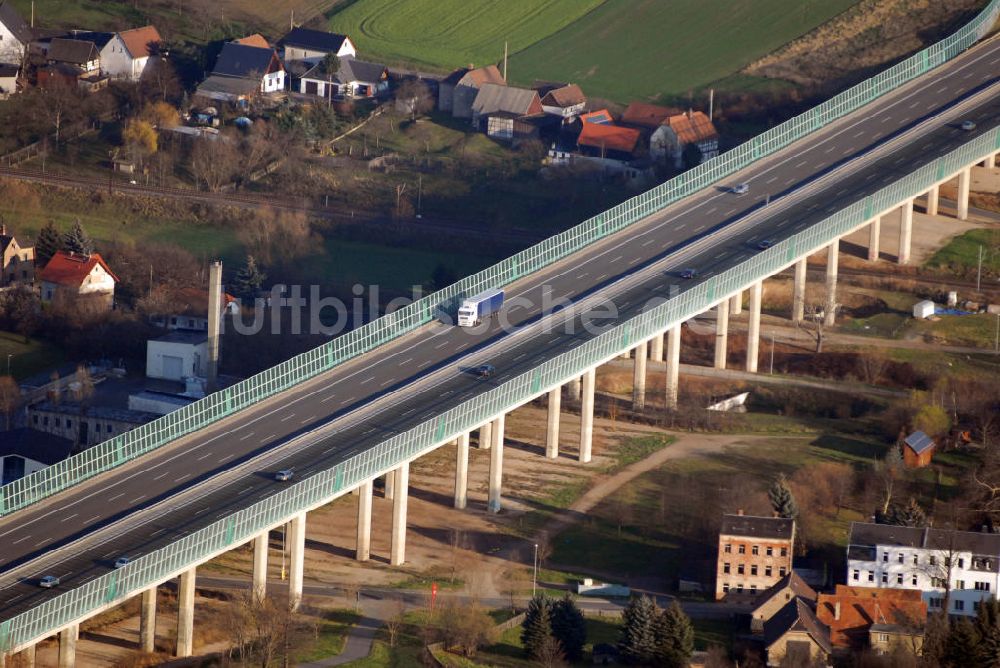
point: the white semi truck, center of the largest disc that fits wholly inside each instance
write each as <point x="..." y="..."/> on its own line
<point x="476" y="309"/>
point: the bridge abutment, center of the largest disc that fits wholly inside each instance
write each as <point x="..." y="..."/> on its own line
<point x="363" y="546"/>
<point x="397" y="549"/>
<point x="496" y="465"/>
<point x="462" y="472"/>
<point x="587" y="414"/>
<point x="753" y="331"/>
<point x="721" y="334"/>
<point x="552" y="430"/>
<point x="639" y="376"/>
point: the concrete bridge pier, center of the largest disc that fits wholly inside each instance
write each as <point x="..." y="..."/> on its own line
<point x="736" y="303"/>
<point x="991" y="161"/>
<point x="296" y="561"/>
<point x="573" y="389"/>
<point x="462" y="472"/>
<point x="185" y="613"/>
<point x="587" y="415"/>
<point x="485" y="436"/>
<point x="721" y="334"/>
<point x="147" y="621"/>
<point x="363" y="546"/>
<point x="905" y="231"/>
<point x="27" y="657"/>
<point x="874" y="231"/>
<point x="639" y="377"/>
<point x="753" y="331"/>
<point x="496" y="465"/>
<point x="673" y="364"/>
<point x="390" y="487"/>
<point x="259" y="580"/>
<point x="799" y="291"/>
<point x="656" y="348"/>
<point x="397" y="549"/>
<point x="552" y="432"/>
<point x="933" y="196"/>
<point x="68" y="638"/>
<point x="832" y="257"/>
<point x="964" y="182"/>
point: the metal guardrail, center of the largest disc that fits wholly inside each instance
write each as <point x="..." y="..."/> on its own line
<point x="198" y="415"/>
<point x="243" y="525"/>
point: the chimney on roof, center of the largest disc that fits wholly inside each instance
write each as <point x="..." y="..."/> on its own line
<point x="740" y="512"/>
<point x="836" y="610"/>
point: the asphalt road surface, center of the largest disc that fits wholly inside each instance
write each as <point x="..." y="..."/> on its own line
<point x="415" y="378"/>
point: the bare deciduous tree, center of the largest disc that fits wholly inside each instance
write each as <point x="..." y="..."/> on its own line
<point x="10" y="398"/>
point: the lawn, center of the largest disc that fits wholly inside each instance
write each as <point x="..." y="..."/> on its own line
<point x="331" y="634"/>
<point x="961" y="255"/>
<point x="616" y="49"/>
<point x="27" y="358"/>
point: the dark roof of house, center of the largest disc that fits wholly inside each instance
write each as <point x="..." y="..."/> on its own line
<point x="227" y="86"/>
<point x="455" y="76"/>
<point x="75" y="51"/>
<point x="351" y="69"/>
<point x="242" y="61"/>
<point x="566" y="96"/>
<point x="757" y="527"/>
<point x="100" y="39"/>
<point x="315" y="40"/>
<point x="863" y="533"/>
<point x="797" y="615"/>
<point x="183" y="336"/>
<point x="14" y="23"/>
<point x="8" y="70"/>
<point x="38" y="445"/>
<point x="493" y="98"/>
<point x="918" y="441"/>
<point x="794" y="582"/>
<point x="100" y="412"/>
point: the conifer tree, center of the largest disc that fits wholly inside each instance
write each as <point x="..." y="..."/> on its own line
<point x="780" y="495"/>
<point x="249" y="279"/>
<point x="674" y="637"/>
<point x="537" y="625"/>
<point x="569" y="627"/>
<point x="47" y="243"/>
<point x="638" y="642"/>
<point x="77" y="241"/>
<point x="962" y="648"/>
<point x="988" y="629"/>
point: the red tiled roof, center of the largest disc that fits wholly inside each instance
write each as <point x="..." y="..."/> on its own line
<point x="693" y="127"/>
<point x="645" y="115"/>
<point x="70" y="269"/>
<point x="137" y="41"/>
<point x="608" y="137"/>
<point x="255" y="39"/>
<point x="567" y="96"/>
<point x="484" y="75"/>
<point x="860" y="607"/>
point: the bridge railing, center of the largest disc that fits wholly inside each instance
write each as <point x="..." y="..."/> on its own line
<point x="200" y="414"/>
<point x="190" y="550"/>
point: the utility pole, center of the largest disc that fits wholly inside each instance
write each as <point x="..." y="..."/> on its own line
<point x="420" y="189"/>
<point x="772" y="353"/>
<point x="534" y="577"/>
<point x="505" y="61"/>
<point x="979" y="268"/>
<point x="711" y="103"/>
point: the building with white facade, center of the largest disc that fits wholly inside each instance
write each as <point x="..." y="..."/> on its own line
<point x="177" y="355"/>
<point x="965" y="564"/>
<point x="128" y="53"/>
<point x="72" y="276"/>
<point x="15" y="35"/>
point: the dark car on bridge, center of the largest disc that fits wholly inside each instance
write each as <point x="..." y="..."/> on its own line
<point x="484" y="371"/>
<point x="687" y="273"/>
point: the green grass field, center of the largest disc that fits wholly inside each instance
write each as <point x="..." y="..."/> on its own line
<point x="617" y="49"/>
<point x="961" y="254"/>
<point x="27" y="358"/>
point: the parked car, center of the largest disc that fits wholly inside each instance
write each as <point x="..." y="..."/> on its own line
<point x="968" y="126"/>
<point x="740" y="188"/>
<point x="764" y="244"/>
<point x="687" y="273"/>
<point x="121" y="562"/>
<point x="48" y="582"/>
<point x="284" y="475"/>
<point x="484" y="371"/>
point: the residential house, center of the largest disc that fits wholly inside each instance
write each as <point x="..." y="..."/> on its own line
<point x="129" y="53"/>
<point x="17" y="262"/>
<point x="178" y="355"/>
<point x="353" y="79"/>
<point x="306" y="44"/>
<point x="73" y="62"/>
<point x="241" y="71"/>
<point x="255" y="39"/>
<point x="918" y="449"/>
<point x="646" y="117"/>
<point x="497" y="109"/>
<point x="84" y="426"/>
<point x="598" y="117"/>
<point x="931" y="561"/>
<point x="8" y="80"/>
<point x="795" y="637"/>
<point x="72" y="276"/>
<point x="567" y="102"/>
<point x="608" y="141"/>
<point x="189" y="310"/>
<point x="24" y="451"/>
<point x="754" y="554"/>
<point x="15" y="35"/>
<point x="459" y="90"/>
<point x="850" y="613"/>
<point x="677" y="133"/>
<point x="777" y="596"/>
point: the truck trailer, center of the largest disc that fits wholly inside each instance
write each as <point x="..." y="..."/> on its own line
<point x="476" y="309"/>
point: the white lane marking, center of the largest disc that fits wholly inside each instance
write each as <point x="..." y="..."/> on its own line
<point x="800" y="164"/>
<point x="616" y="258"/>
<point x="243" y="438"/>
<point x="226" y="459"/>
<point x="772" y="179"/>
<point x="329" y="398"/>
<point x="205" y="456"/>
<point x="441" y="345"/>
<point x="368" y="380"/>
<point x="91" y="520"/>
<point x="136" y="500"/>
<point x="267" y="438"/>
<point x="43" y="542"/>
<point x="425" y="363"/>
<point x="712" y="210"/>
<point x="21" y="540"/>
<point x="647" y="242"/>
<point x="162" y="475"/>
<point x="67" y="519"/>
<point x="307" y="420"/>
<point x="406" y="361"/>
<point x="244" y="491"/>
<point x="116" y="496"/>
<point x="183" y="477"/>
<point x="287" y="417"/>
<point x="583" y="275"/>
<point x="860" y="133"/>
<point x="634" y="261"/>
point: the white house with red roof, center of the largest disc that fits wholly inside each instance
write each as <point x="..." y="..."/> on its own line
<point x="73" y="275"/>
<point x="129" y="53"/>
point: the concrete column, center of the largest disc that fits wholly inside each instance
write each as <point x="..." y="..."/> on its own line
<point x="799" y="291"/>
<point x="753" y="332"/>
<point x="673" y="364"/>
<point x="639" y="377"/>
<point x="933" y="195"/>
<point x="736" y="303"/>
<point x="260" y="546"/>
<point x="185" y="613"/>
<point x="363" y="546"/>
<point x="214" y="323"/>
<point x="147" y="621"/>
<point x="462" y="472"/>
<point x="397" y="551"/>
<point x="587" y="416"/>
<point x="991" y="161"/>
<point x="390" y="479"/>
<point x="485" y="436"/>
<point x="625" y="355"/>
<point x="832" y="257"/>
<point x="905" y="232"/>
<point x="721" y="334"/>
<point x="573" y="389"/>
<point x="68" y="638"/>
<point x="27" y="657"/>
<point x="874" y="230"/>
<point x="656" y="348"/>
<point x="496" y="465"/>
<point x="552" y="433"/>
<point x="297" y="559"/>
<point x="964" y="181"/>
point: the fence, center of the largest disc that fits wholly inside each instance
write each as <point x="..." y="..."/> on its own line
<point x="128" y="446"/>
<point x="242" y="525"/>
